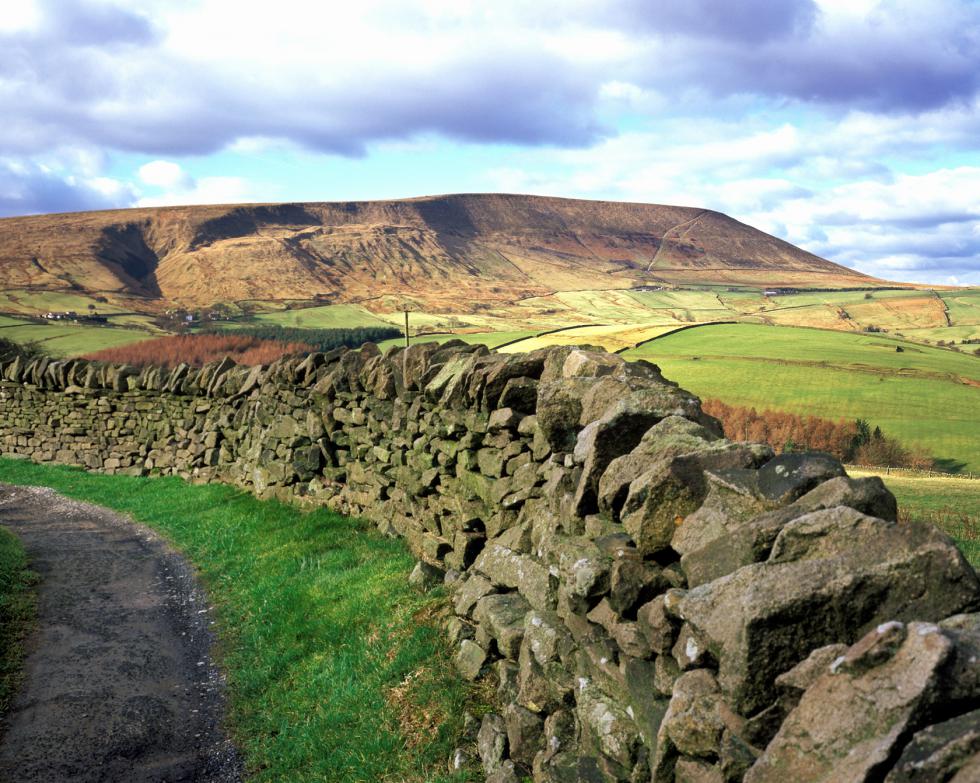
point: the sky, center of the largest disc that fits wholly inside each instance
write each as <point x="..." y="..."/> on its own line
<point x="848" y="127"/>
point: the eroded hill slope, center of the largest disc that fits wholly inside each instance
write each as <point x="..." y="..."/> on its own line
<point x="450" y="251"/>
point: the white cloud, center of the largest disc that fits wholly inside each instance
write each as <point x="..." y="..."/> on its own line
<point x="164" y="174"/>
<point x="206" y="190"/>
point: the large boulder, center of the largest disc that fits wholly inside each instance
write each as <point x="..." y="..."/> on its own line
<point x="718" y="540"/>
<point x="853" y="721"/>
<point x="832" y="575"/>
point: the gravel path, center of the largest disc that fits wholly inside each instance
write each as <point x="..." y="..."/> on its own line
<point x="118" y="682"/>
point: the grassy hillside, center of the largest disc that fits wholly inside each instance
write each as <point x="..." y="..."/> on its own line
<point x="337" y="669"/>
<point x="926" y="397"/>
<point x="59" y="340"/>
<point x="326" y="317"/>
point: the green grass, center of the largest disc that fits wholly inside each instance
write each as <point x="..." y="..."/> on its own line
<point x="952" y="504"/>
<point x="337" y="669"/>
<point x="489" y="339"/>
<point x="326" y="317"/>
<point x="963" y="306"/>
<point x="915" y="396"/>
<point x="17" y="612"/>
<point x="60" y="340"/>
<point x="27" y="301"/>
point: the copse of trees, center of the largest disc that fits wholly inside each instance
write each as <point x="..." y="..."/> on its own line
<point x="318" y="339"/>
<point x="850" y="441"/>
<point x="199" y="349"/>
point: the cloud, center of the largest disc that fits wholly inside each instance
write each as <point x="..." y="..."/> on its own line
<point x="29" y="188"/>
<point x="747" y="21"/>
<point x="87" y="23"/>
<point x="206" y="190"/>
<point x="164" y="174"/>
<point x="197" y="77"/>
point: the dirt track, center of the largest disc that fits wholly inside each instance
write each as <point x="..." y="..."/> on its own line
<point x="118" y="683"/>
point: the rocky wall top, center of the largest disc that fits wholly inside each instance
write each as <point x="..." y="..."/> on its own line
<point x="653" y="601"/>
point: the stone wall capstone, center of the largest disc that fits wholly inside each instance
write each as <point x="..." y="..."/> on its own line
<point x="654" y="601"/>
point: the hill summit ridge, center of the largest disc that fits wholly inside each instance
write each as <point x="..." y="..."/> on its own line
<point x="451" y="251"/>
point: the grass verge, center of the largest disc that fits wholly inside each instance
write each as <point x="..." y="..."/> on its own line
<point x="17" y="612"/>
<point x="337" y="669"/>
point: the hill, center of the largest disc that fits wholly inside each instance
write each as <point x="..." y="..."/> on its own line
<point x="444" y="253"/>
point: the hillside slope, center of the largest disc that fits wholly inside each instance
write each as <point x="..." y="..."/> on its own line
<point x="451" y="251"/>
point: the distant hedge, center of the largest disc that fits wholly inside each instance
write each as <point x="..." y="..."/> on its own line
<point x="318" y="339"/>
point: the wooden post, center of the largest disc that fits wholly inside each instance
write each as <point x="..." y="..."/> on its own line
<point x="406" y="327"/>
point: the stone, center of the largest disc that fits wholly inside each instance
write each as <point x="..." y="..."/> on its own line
<point x="521" y="394"/>
<point x="711" y="552"/>
<point x="547" y="637"/>
<point x="693" y="723"/>
<point x="492" y="742"/>
<point x="470" y="659"/>
<point x="525" y="733"/>
<point x="470" y="591"/>
<point x="672" y="436"/>
<point x="425" y="576"/>
<point x="851" y="720"/>
<point x="617" y="432"/>
<point x="836" y="574"/>
<point x="629" y="580"/>
<point x="788" y="476"/>
<point x="502" y="616"/>
<point x="612" y="729"/>
<point x="659" y="628"/>
<point x="948" y="751"/>
<point x="510" y="569"/>
<point x="694" y="771"/>
<point x="558" y="411"/>
<point x="505" y="773"/>
<point x="504" y="419"/>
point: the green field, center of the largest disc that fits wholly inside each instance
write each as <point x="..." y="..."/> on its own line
<point x="337" y="669"/>
<point x="32" y="302"/>
<point x="926" y="397"/>
<point x="60" y="340"/>
<point x="326" y="317"/>
<point x="952" y="504"/>
<point x="489" y="339"/>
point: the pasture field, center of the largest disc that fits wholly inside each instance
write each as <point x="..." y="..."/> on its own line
<point x="489" y="339"/>
<point x="338" y="670"/>
<point x="137" y="321"/>
<point x="612" y="337"/>
<point x="34" y="302"/>
<point x="60" y="340"/>
<point x="951" y="503"/>
<point x="326" y="317"/>
<point x="925" y="397"/>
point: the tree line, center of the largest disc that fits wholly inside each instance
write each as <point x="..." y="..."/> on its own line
<point x="317" y="339"/>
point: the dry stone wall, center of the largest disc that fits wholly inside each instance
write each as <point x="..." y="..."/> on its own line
<point x="654" y="602"/>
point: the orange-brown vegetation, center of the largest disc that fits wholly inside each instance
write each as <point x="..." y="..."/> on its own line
<point x="198" y="349"/>
<point x="849" y="441"/>
<point x="785" y="431"/>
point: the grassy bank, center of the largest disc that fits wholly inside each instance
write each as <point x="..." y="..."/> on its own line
<point x="337" y="669"/>
<point x="17" y="610"/>
<point x="952" y="504"/>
